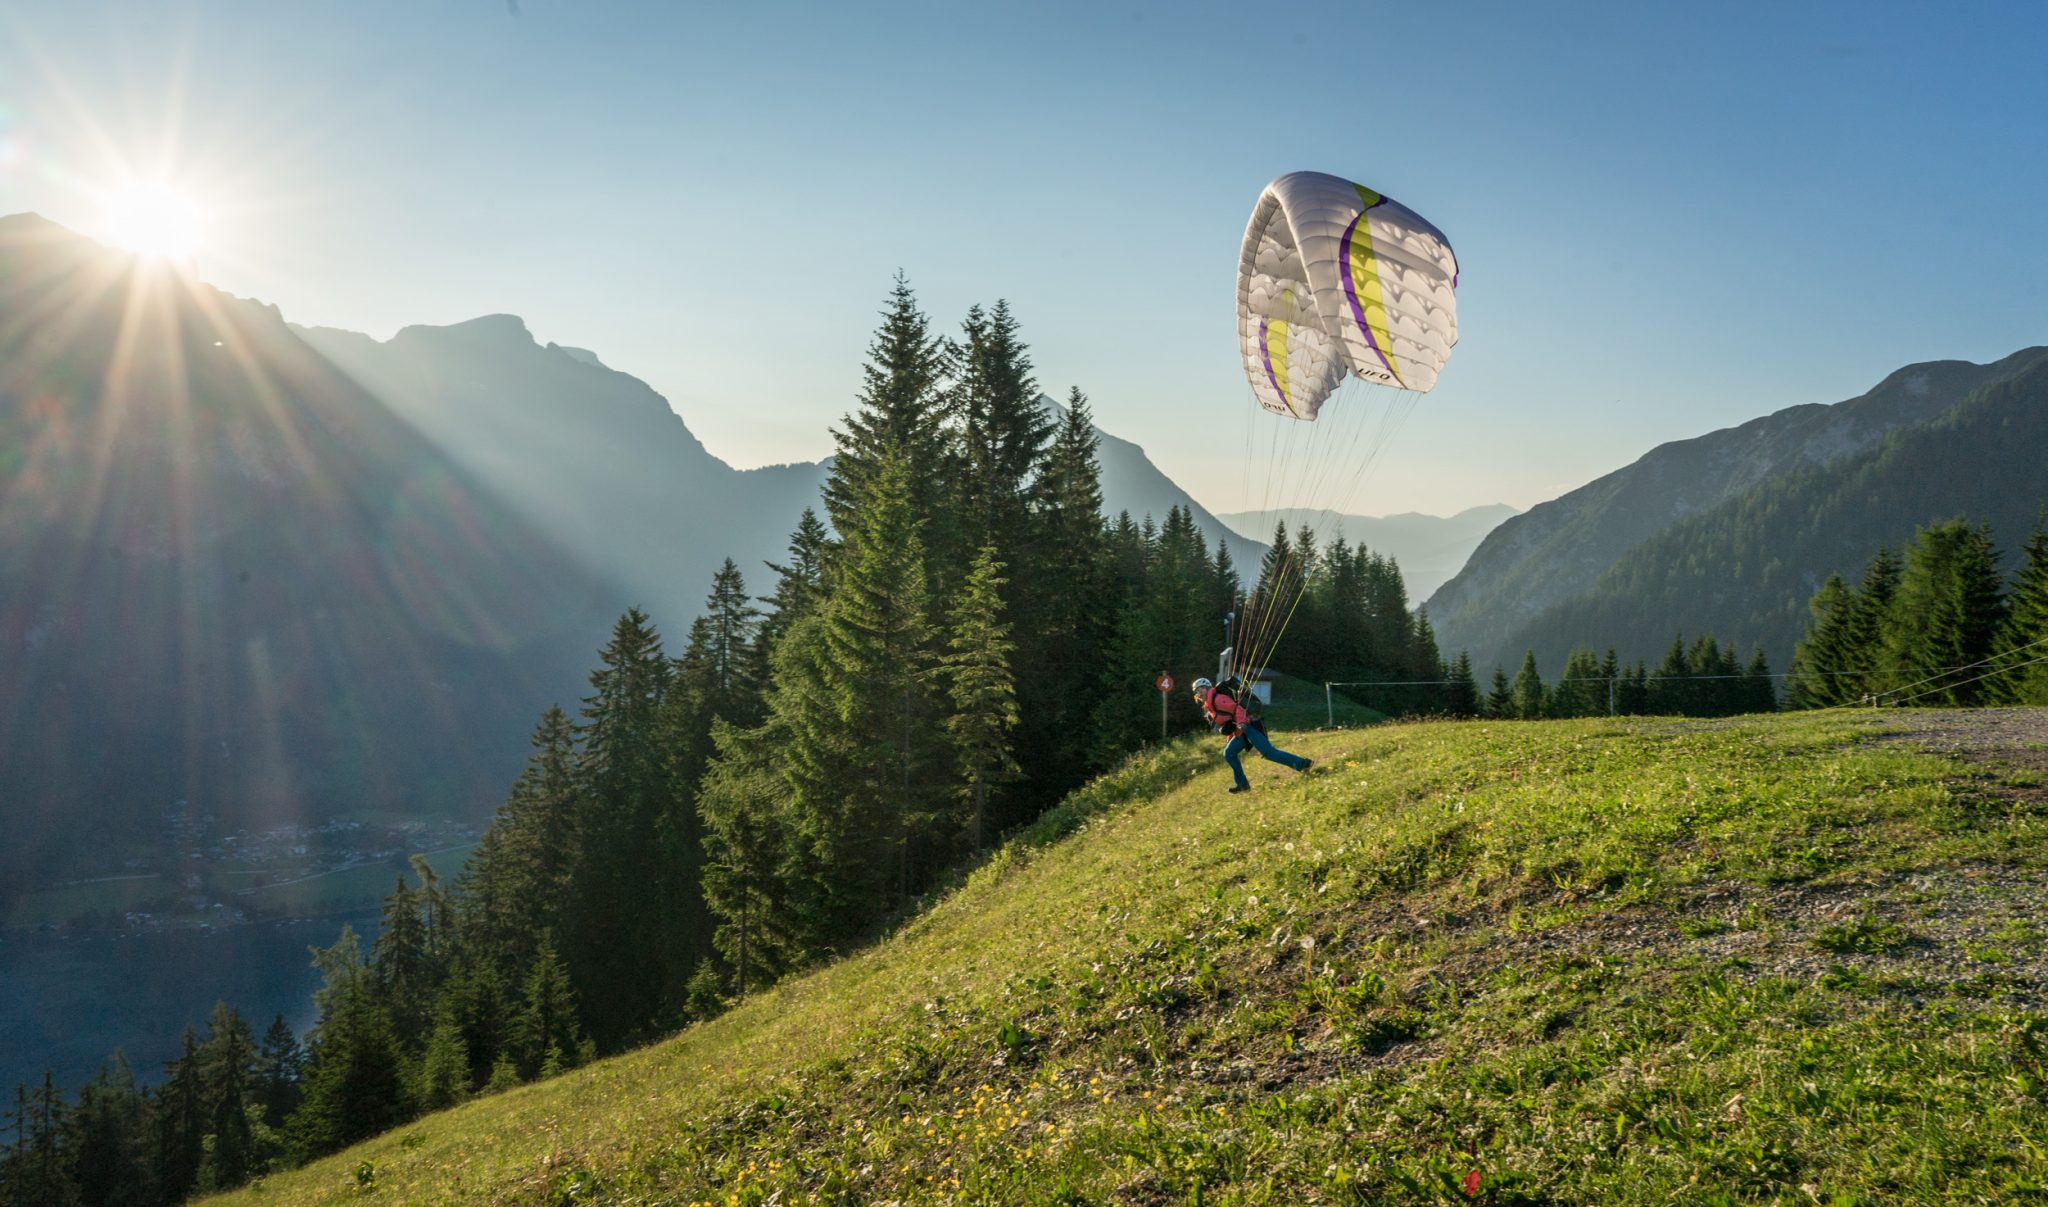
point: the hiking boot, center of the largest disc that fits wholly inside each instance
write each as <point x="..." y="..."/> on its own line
<point x="1306" y="764"/>
<point x="1237" y="788"/>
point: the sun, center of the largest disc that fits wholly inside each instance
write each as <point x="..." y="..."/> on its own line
<point x="152" y="220"/>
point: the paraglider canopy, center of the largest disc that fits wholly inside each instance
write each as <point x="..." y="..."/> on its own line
<point x="1334" y="279"/>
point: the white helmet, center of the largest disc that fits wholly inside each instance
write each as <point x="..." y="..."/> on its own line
<point x="1202" y="685"/>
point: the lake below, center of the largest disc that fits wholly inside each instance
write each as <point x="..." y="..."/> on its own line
<point x="67" y="1000"/>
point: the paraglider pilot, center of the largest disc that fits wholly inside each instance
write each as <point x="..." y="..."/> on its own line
<point x="1219" y="704"/>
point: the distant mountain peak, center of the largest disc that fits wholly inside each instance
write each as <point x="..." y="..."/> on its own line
<point x="31" y="224"/>
<point x="495" y="329"/>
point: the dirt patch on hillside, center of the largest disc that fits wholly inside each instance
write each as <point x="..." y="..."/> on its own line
<point x="2017" y="736"/>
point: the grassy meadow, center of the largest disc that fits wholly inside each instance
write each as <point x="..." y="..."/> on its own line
<point x="1775" y="959"/>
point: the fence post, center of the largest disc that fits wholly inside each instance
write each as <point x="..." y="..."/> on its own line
<point x="1329" y="707"/>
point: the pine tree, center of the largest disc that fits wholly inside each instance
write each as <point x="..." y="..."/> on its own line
<point x="1425" y="664"/>
<point x="355" y="1083"/>
<point x="476" y="998"/>
<point x="984" y="697"/>
<point x="622" y="954"/>
<point x="1715" y="679"/>
<point x="547" y="1020"/>
<point x="227" y="1071"/>
<point x="1461" y="696"/>
<point x="512" y="888"/>
<point x="1581" y="690"/>
<point x="1078" y="620"/>
<point x="35" y="1169"/>
<point x="753" y="873"/>
<point x="1942" y="623"/>
<point x="1670" y="687"/>
<point x="848" y="769"/>
<point x="1265" y="613"/>
<point x="1001" y="432"/>
<point x="444" y="1069"/>
<point x="107" y="1143"/>
<point x="2023" y="642"/>
<point x="1164" y="625"/>
<point x="1759" y="690"/>
<point x="900" y="412"/>
<point x="181" y="1118"/>
<point x="1863" y="645"/>
<point x="1632" y="696"/>
<point x="882" y="722"/>
<point x="280" y="1063"/>
<point x="1500" y="700"/>
<point x="799" y="582"/>
<point x="402" y="965"/>
<point x="719" y="677"/>
<point x="1823" y="659"/>
<point x="1530" y="699"/>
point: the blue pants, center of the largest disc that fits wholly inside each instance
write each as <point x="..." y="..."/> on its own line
<point x="1248" y="736"/>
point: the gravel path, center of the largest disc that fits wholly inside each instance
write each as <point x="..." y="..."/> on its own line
<point x="2006" y="732"/>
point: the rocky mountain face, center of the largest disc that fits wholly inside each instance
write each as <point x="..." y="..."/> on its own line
<point x="237" y="591"/>
<point x="1555" y="551"/>
<point x="1428" y="548"/>
<point x="591" y="456"/>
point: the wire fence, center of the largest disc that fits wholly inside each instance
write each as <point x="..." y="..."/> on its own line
<point x="1890" y="697"/>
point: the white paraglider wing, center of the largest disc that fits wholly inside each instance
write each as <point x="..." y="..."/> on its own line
<point x="1336" y="279"/>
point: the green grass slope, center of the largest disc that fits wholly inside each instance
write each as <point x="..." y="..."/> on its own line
<point x="1774" y="959"/>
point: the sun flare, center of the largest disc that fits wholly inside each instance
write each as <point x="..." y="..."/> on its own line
<point x="152" y="220"/>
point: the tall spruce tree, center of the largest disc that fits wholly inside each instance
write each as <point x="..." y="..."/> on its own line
<point x="227" y="1072"/>
<point x="1759" y="686"/>
<point x="180" y="1114"/>
<point x="1461" y="694"/>
<point x="280" y="1064"/>
<point x="1500" y="698"/>
<point x="756" y="871"/>
<point x="623" y="955"/>
<point x="1531" y="700"/>
<point x="1822" y="659"/>
<point x="356" y="1083"/>
<point x="1670" y="684"/>
<point x="2022" y="646"/>
<point x="984" y="696"/>
<point x="900" y="412"/>
<point x="1581" y="690"/>
<point x="106" y="1145"/>
<point x="799" y="583"/>
<point x="402" y="965"/>
<point x="1078" y="621"/>
<point x="1945" y="617"/>
<point x="513" y="885"/>
<point x="719" y="677"/>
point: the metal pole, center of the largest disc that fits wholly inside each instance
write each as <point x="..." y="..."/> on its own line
<point x="1329" y="706"/>
<point x="1162" y="713"/>
<point x="1610" y="695"/>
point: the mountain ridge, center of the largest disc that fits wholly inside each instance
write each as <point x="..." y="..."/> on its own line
<point x="1746" y="568"/>
<point x="1539" y="559"/>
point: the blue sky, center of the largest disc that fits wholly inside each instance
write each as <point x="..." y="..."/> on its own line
<point x="1669" y="218"/>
